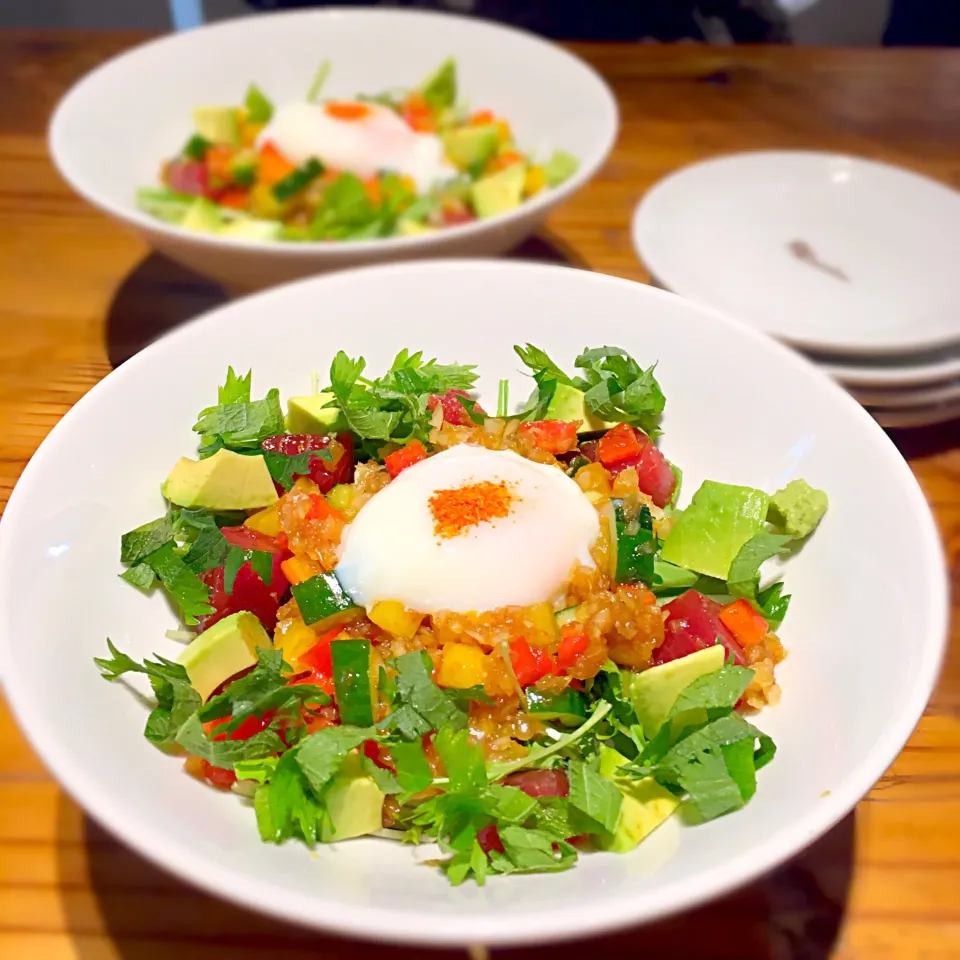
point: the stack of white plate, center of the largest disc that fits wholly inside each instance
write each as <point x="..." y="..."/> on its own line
<point x="853" y="262"/>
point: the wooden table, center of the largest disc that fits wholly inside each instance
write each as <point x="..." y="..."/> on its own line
<point x="78" y="296"/>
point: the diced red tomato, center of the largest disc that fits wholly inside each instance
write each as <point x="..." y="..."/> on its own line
<point x="453" y="410"/>
<point x="372" y="750"/>
<point x="620" y="443"/>
<point x="249" y="593"/>
<point x="540" y="783"/>
<point x="489" y="839"/>
<point x="220" y="778"/>
<point x="693" y="623"/>
<point x="406" y="456"/>
<point x="530" y="663"/>
<point x="453" y="217"/>
<point x="573" y="642"/>
<point x="249" y="727"/>
<point x="744" y="623"/>
<point x="481" y="118"/>
<point x="324" y="473"/>
<point x="272" y="165"/>
<point x="552" y="436"/>
<point x="248" y="539"/>
<point x="188" y="176"/>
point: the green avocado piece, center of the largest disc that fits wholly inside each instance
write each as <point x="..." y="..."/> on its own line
<point x="218" y="125"/>
<point x="440" y="88"/>
<point x="223" y="650"/>
<point x="797" y="508"/>
<point x="654" y="692"/>
<point x="224" y="481"/>
<point x="411" y="228"/>
<point x="202" y="216"/>
<point x="561" y="166"/>
<point x="354" y="803"/>
<point x="708" y="535"/>
<point x="471" y="146"/>
<point x="567" y="404"/>
<point x="500" y="192"/>
<point x="312" y="415"/>
<point x="645" y="804"/>
<point x="252" y="230"/>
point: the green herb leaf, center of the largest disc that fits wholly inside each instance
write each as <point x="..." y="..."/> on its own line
<point x="144" y="540"/>
<point x="259" y="108"/>
<point x="209" y="547"/>
<point x="235" y="389"/>
<point x="191" y="595"/>
<point x="141" y="575"/>
<point x="420" y="705"/>
<point x="286" y="806"/>
<point x="297" y="180"/>
<point x="773" y="605"/>
<point x="285" y="469"/>
<point x="225" y="753"/>
<point x="413" y="770"/>
<point x="744" y="575"/>
<point x="321" y="754"/>
<point x="593" y="795"/>
<point x="319" y="79"/>
<point x="531" y="851"/>
<point x="463" y="759"/>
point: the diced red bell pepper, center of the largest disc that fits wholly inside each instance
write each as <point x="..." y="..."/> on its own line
<point x="418" y="114"/>
<point x="573" y="642"/>
<point x="618" y="444"/>
<point x="540" y="783"/>
<point x="320" y="509"/>
<point x="406" y="456"/>
<point x="236" y="198"/>
<point x="693" y="623"/>
<point x="188" y="176"/>
<point x="218" y="159"/>
<point x="272" y="165"/>
<point x="249" y="593"/>
<point x="530" y="663"/>
<point x="454" y="217"/>
<point x="552" y="436"/>
<point x="249" y="727"/>
<point x="248" y="539"/>
<point x="314" y="679"/>
<point x="371" y="750"/>
<point x="453" y="410"/>
<point x="220" y="778"/>
<point x="318" y="658"/>
<point x="744" y="623"/>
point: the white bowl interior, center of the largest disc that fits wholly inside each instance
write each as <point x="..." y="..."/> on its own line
<point x="114" y="128"/>
<point x="741" y="408"/>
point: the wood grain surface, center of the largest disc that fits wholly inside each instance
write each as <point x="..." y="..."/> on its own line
<point x="78" y="296"/>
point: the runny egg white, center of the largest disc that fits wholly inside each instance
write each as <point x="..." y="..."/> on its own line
<point x="360" y="138"/>
<point x="410" y="543"/>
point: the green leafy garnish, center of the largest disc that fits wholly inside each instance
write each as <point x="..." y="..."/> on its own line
<point x="419" y="705"/>
<point x="144" y="540"/>
<point x="190" y="594"/>
<point x="236" y="422"/>
<point x="319" y="79"/>
<point x="258" y="106"/>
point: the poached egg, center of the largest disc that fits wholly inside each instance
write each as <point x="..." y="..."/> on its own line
<point x="360" y="138"/>
<point x="468" y="529"/>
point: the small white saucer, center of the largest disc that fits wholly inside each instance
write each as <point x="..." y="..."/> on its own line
<point x="925" y="370"/>
<point x="908" y="399"/>
<point x="915" y="416"/>
<point x="827" y="252"/>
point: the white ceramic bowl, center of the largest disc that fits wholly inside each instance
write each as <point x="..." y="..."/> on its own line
<point x="111" y="131"/>
<point x="866" y="629"/>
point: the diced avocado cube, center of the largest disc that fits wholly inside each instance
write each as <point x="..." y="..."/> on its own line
<point x="218" y="125"/>
<point x="561" y="166"/>
<point x="440" y="88"/>
<point x="471" y="146"/>
<point x="645" y="805"/>
<point x="323" y="601"/>
<point x="225" y="481"/>
<point x="654" y="692"/>
<point x="708" y="535"/>
<point x="568" y="404"/>
<point x="411" y="228"/>
<point x="354" y="804"/>
<point x="500" y="192"/>
<point x="798" y="508"/>
<point x="202" y="216"/>
<point x="223" y="650"/>
<point x="252" y="229"/>
<point x="312" y="415"/>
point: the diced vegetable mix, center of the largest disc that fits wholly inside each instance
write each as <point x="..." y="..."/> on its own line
<point x="231" y="178"/>
<point x="515" y="738"/>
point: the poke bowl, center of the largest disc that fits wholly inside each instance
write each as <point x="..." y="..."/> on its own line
<point x="562" y="606"/>
<point x="268" y="148"/>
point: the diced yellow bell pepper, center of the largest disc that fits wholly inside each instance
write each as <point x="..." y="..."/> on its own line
<point x="265" y="204"/>
<point x="299" y="568"/>
<point x="542" y="616"/>
<point x="249" y="132"/>
<point x="392" y="616"/>
<point x="265" y="521"/>
<point x="504" y="133"/>
<point x="535" y="181"/>
<point x="304" y="485"/>
<point x="295" y="638"/>
<point x="461" y="666"/>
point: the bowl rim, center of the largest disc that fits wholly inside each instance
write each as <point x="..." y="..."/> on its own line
<point x="543" y="202"/>
<point x="399" y="926"/>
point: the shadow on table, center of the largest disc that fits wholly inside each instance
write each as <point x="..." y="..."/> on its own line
<point x="159" y="295"/>
<point x="926" y="441"/>
<point x="794" y="913"/>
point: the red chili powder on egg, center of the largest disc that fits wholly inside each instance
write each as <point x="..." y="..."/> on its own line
<point x="456" y="511"/>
